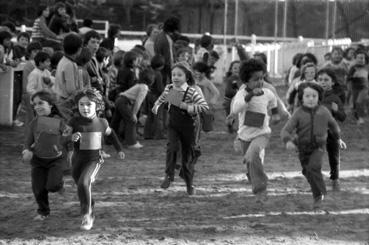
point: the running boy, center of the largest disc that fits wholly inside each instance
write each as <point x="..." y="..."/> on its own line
<point x="252" y="104"/>
<point x="311" y="122"/>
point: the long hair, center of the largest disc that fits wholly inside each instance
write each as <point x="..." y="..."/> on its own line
<point x="49" y="98"/>
<point x="187" y="70"/>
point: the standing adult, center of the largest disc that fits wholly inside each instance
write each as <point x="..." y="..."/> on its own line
<point x="163" y="45"/>
<point x="152" y="32"/>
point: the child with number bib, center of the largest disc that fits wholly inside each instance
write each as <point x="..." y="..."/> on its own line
<point x="88" y="132"/>
<point x="43" y="148"/>
<point x="252" y="103"/>
<point x="184" y="103"/>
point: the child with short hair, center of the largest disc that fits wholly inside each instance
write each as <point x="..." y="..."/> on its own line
<point x="252" y="104"/>
<point x="184" y="103"/>
<point x="20" y="48"/>
<point x="326" y="78"/>
<point x="88" y="133"/>
<point x="43" y="148"/>
<point x="311" y="122"/>
<point x="40" y="78"/>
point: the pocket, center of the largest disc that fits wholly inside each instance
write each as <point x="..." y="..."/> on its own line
<point x="254" y="119"/>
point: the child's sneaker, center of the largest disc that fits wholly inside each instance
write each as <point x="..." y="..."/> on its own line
<point x="360" y="121"/>
<point x="87" y="222"/>
<point x="190" y="190"/>
<point x="336" y="185"/>
<point x="261" y="197"/>
<point x="105" y="155"/>
<point x="166" y="183"/>
<point x="40" y="217"/>
<point x="318" y="202"/>
<point x="18" y="123"/>
<point x="135" y="146"/>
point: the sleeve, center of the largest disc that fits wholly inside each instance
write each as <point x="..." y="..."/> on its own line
<point x="238" y="103"/>
<point x="199" y="104"/>
<point x="333" y="126"/>
<point x="32" y="83"/>
<point x="162" y="97"/>
<point x="289" y="127"/>
<point x="340" y="114"/>
<point x="142" y="92"/>
<point x="70" y="79"/>
<point x="29" y="139"/>
<point x="214" y="93"/>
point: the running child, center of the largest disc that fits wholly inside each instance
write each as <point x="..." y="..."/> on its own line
<point x="88" y="132"/>
<point x="43" y="148"/>
<point x="331" y="91"/>
<point x="252" y="104"/>
<point x="311" y="122"/>
<point x="184" y="103"/>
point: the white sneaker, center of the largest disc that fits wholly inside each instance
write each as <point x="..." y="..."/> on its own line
<point x="87" y="222"/>
<point x="360" y="121"/>
<point x="18" y="123"/>
<point x="105" y="155"/>
<point x="40" y="217"/>
<point x="136" y="146"/>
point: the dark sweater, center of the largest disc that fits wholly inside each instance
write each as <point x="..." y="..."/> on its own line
<point x="311" y="125"/>
<point x="328" y="98"/>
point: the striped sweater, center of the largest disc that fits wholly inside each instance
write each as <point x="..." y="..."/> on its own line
<point x="195" y="101"/>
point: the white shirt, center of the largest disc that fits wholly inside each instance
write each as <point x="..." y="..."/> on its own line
<point x="36" y="81"/>
<point x="259" y="104"/>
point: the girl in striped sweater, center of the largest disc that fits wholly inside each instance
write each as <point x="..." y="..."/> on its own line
<point x="184" y="102"/>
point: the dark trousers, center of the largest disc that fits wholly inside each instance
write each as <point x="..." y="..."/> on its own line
<point x="311" y="162"/>
<point x="333" y="150"/>
<point x="123" y="112"/>
<point x="47" y="176"/>
<point x="84" y="174"/>
<point x="154" y="125"/>
<point x="186" y="137"/>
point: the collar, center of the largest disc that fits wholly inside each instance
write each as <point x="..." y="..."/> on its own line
<point x="183" y="87"/>
<point x="70" y="58"/>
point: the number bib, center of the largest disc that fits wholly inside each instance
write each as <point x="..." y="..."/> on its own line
<point x="90" y="141"/>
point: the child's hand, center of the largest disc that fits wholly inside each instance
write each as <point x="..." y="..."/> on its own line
<point x="155" y="109"/>
<point x="290" y="146"/>
<point x="342" y="144"/>
<point x="258" y="91"/>
<point x="237" y="146"/>
<point x="134" y="118"/>
<point x="183" y="105"/>
<point x="230" y="119"/>
<point x="27" y="155"/>
<point x="121" y="155"/>
<point x="76" y="136"/>
<point x="334" y="107"/>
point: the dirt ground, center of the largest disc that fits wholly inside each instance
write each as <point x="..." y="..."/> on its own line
<point x="132" y="209"/>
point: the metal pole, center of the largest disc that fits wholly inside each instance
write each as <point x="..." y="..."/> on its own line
<point x="275" y="20"/>
<point x="285" y="20"/>
<point x="327" y="20"/>
<point x="225" y="22"/>
<point x="334" y="20"/>
<point x="236" y="18"/>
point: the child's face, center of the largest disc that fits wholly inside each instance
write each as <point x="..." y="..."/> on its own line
<point x="336" y="56"/>
<point x="198" y="76"/>
<point x="86" y="107"/>
<point x="325" y="81"/>
<point x="178" y="77"/>
<point x="310" y="97"/>
<point x="23" y="42"/>
<point x="7" y="43"/>
<point x="235" y="69"/>
<point x="93" y="45"/>
<point x="256" y="80"/>
<point x="309" y="73"/>
<point x="44" y="65"/>
<point x="185" y="56"/>
<point x="46" y="12"/>
<point x="360" y="59"/>
<point x="42" y="107"/>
